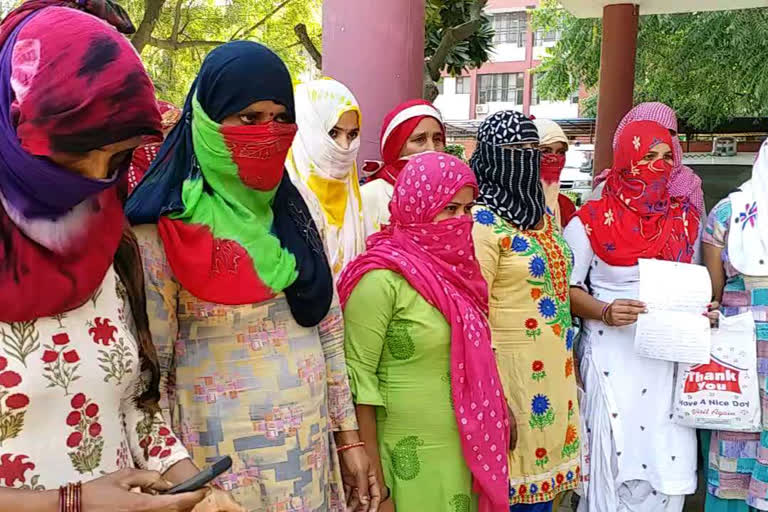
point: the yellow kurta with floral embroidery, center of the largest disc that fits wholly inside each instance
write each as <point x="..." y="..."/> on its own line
<point x="530" y="315"/>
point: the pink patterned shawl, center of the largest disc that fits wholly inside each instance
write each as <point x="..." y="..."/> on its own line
<point x="437" y="259"/>
<point x="683" y="182"/>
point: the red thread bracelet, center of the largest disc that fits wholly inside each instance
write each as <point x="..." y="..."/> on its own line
<point x="350" y="446"/>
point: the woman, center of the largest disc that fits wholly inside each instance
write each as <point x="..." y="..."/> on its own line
<point x="734" y="250"/>
<point x="241" y="294"/>
<point x="639" y="459"/>
<point x="322" y="166"/>
<point x="78" y="371"/>
<point x="146" y="153"/>
<point x="683" y="182"/>
<point x="412" y="127"/>
<point x="553" y="145"/>
<point x="424" y="400"/>
<point x="526" y="264"/>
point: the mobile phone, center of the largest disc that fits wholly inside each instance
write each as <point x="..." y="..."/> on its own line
<point x="203" y="478"/>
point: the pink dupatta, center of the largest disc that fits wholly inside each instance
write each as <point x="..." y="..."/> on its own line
<point x="438" y="260"/>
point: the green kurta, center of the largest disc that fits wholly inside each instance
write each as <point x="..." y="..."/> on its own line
<point x="398" y="358"/>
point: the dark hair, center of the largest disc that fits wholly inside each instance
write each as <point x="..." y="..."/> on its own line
<point x="130" y="271"/>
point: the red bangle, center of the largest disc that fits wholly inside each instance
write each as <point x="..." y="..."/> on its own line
<point x="349" y="446"/>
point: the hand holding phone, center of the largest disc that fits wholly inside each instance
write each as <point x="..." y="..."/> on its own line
<point x="203" y="478"/>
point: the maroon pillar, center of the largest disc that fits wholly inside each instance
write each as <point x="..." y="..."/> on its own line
<point x="376" y="48"/>
<point x="617" y="76"/>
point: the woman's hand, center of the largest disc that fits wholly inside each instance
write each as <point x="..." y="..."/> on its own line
<point x="387" y="506"/>
<point x="622" y="312"/>
<point x="713" y="313"/>
<point x="112" y="493"/>
<point x="360" y="482"/>
<point x="218" y="501"/>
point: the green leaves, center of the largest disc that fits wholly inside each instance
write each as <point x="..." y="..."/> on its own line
<point x="472" y="53"/>
<point x="201" y="22"/>
<point x="709" y="66"/>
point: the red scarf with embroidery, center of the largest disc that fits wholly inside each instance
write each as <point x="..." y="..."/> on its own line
<point x="636" y="217"/>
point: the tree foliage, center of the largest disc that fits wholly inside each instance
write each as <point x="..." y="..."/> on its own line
<point x="174" y="36"/>
<point x="458" y="36"/>
<point x="709" y="66"/>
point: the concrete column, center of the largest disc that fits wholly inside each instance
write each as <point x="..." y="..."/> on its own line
<point x="617" y="76"/>
<point x="376" y="48"/>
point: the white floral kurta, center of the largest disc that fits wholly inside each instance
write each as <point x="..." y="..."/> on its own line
<point x="67" y="388"/>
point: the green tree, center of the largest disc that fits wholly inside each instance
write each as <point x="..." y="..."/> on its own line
<point x="458" y="36"/>
<point x="173" y="36"/>
<point x="709" y="66"/>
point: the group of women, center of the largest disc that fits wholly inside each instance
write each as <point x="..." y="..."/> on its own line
<point x="406" y="344"/>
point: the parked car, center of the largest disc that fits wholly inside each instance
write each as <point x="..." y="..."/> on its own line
<point x="720" y="175"/>
<point x="576" y="179"/>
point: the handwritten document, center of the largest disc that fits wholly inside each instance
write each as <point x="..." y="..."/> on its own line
<point x="674" y="329"/>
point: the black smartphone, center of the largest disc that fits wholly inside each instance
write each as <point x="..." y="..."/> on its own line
<point x="203" y="478"/>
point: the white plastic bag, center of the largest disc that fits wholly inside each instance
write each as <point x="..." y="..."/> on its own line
<point x="722" y="394"/>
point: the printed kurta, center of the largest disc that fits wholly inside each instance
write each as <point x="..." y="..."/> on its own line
<point x="249" y="382"/>
<point x="67" y="397"/>
<point x="399" y="353"/>
<point x="530" y="315"/>
<point x="738" y="462"/>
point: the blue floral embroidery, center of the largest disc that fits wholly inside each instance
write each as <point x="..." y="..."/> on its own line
<point x="533" y="488"/>
<point x="569" y="339"/>
<point x="540" y="404"/>
<point x="537" y="266"/>
<point x="484" y="217"/>
<point x="520" y="244"/>
<point x="547" y="307"/>
<point x="512" y="492"/>
<point x="569" y="476"/>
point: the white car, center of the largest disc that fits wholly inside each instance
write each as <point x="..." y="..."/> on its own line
<point x="576" y="179"/>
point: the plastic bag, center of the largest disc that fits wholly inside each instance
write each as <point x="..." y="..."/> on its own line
<point x="722" y="394"/>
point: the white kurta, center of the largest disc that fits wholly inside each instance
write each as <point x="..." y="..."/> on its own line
<point x="628" y="399"/>
<point x="376" y="196"/>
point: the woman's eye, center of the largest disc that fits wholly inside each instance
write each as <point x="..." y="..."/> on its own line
<point x="451" y="209"/>
<point x="333" y="133"/>
<point x="420" y="140"/>
<point x="354" y="135"/>
<point x="249" y="119"/>
<point x="282" y="118"/>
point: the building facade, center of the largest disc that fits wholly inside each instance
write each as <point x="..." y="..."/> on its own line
<point x="507" y="81"/>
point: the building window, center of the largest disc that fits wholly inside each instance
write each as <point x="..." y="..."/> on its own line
<point x="510" y="27"/>
<point x="463" y="85"/>
<point x="501" y="87"/>
<point x="540" y="37"/>
<point x="575" y="98"/>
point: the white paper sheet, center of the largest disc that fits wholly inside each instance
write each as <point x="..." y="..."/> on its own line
<point x="676" y="295"/>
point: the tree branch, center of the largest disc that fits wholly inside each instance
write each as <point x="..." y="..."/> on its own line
<point x="259" y="23"/>
<point x="301" y="32"/>
<point x="167" y="44"/>
<point x="176" y="21"/>
<point x="143" y="34"/>
<point x="454" y="36"/>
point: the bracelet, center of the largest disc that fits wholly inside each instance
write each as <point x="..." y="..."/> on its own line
<point x="349" y="446"/>
<point x="70" y="497"/>
<point x="604" y="314"/>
